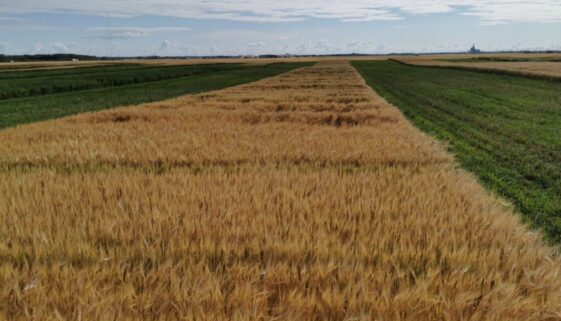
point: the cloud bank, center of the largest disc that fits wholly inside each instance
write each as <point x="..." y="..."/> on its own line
<point x="488" y="11"/>
<point x="129" y="32"/>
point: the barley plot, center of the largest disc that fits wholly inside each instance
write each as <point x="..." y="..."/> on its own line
<point x="299" y="197"/>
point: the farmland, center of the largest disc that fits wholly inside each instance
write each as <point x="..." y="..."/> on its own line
<point x="25" y="84"/>
<point x="505" y="129"/>
<point x="533" y="66"/>
<point x="30" y="96"/>
<point x="303" y="196"/>
<point x="50" y="65"/>
<point x="506" y="59"/>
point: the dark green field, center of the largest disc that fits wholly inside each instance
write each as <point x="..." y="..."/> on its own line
<point x="505" y="129"/>
<point x="34" y="83"/>
<point x="58" y="93"/>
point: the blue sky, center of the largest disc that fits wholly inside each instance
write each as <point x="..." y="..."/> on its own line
<point x="224" y="27"/>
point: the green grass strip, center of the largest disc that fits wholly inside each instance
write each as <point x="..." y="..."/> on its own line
<point x="505" y="129"/>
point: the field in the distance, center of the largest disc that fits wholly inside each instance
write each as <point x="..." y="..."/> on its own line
<point x="47" y="65"/>
<point x="298" y="197"/>
<point x="35" y="95"/>
<point x="533" y="65"/>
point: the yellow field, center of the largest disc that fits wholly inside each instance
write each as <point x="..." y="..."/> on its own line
<point x="300" y="197"/>
<point x="525" y="67"/>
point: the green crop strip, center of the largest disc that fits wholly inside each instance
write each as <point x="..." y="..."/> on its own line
<point x="505" y="129"/>
<point x="25" y="84"/>
<point x="31" y="109"/>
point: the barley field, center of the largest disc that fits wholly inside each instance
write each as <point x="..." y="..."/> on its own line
<point x="547" y="66"/>
<point x="303" y="196"/>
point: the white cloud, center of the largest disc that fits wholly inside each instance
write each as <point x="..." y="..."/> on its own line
<point x="38" y="48"/>
<point x="489" y="11"/>
<point x="129" y="32"/>
<point x="508" y="11"/>
<point x="257" y="45"/>
<point x="51" y="48"/>
<point x="59" y="47"/>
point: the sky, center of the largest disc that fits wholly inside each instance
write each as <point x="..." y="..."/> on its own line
<point x="253" y="27"/>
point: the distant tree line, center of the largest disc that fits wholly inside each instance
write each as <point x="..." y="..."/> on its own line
<point x="44" y="57"/>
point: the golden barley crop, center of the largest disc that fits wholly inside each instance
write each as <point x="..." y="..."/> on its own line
<point x="542" y="68"/>
<point x="299" y="197"/>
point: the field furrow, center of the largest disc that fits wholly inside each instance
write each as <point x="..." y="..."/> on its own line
<point x="303" y="196"/>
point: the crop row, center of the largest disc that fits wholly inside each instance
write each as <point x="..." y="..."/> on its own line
<point x="65" y="81"/>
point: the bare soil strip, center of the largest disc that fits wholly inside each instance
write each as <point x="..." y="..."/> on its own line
<point x="300" y="197"/>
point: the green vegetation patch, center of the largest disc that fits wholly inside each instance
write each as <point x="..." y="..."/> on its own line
<point x="35" y="83"/>
<point x="42" y="71"/>
<point x="26" y="110"/>
<point x="505" y="129"/>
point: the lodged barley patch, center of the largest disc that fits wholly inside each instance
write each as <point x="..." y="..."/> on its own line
<point x="300" y="197"/>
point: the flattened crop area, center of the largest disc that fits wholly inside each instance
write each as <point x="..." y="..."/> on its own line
<point x="299" y="197"/>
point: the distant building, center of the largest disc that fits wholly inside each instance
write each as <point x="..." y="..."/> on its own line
<point x="474" y="50"/>
<point x="74" y="59"/>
